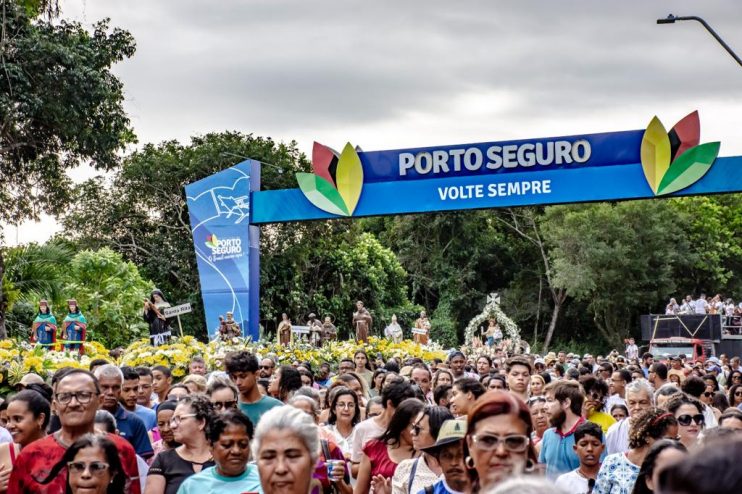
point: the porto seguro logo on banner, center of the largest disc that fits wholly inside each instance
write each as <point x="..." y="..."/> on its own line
<point x="224" y="248"/>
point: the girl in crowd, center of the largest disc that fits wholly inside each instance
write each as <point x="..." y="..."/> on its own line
<point x="167" y="438"/>
<point x="345" y="413"/>
<point x="619" y="412"/>
<point x="442" y="376"/>
<point x="735" y="395"/>
<point x="285" y="381"/>
<point x="363" y="366"/>
<point x="537" y="385"/>
<point x="660" y="454"/>
<point x="619" y="471"/>
<point x="28" y="415"/>
<point x="498" y="440"/>
<point x="381" y="456"/>
<point x="93" y="467"/>
<point x="689" y="414"/>
<point x="465" y="392"/>
<point x="376" y="382"/>
<point x="374" y="407"/>
<point x="286" y="448"/>
<point x="414" y="475"/>
<point x="229" y="435"/>
<point x="329" y="450"/>
<point x="540" y="420"/>
<point x="170" y="468"/>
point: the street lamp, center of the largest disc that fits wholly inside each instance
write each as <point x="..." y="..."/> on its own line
<point x="670" y="19"/>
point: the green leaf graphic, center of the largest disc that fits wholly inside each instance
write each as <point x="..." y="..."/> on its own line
<point x="655" y="153"/>
<point x="349" y="177"/>
<point x="321" y="193"/>
<point x="689" y="167"/>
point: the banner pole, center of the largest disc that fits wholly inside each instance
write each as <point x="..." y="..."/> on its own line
<point x="180" y="327"/>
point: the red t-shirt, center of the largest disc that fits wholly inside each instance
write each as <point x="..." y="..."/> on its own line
<point x="381" y="464"/>
<point x="37" y="459"/>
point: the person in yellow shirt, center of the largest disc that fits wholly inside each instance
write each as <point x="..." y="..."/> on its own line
<point x="595" y="394"/>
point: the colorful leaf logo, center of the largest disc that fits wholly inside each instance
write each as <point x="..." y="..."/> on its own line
<point x="337" y="181"/>
<point x="212" y="241"/>
<point x="674" y="160"/>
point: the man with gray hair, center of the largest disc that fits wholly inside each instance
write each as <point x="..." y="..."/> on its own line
<point x="639" y="397"/>
<point x="130" y="426"/>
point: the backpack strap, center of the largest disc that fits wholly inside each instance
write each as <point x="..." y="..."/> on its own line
<point x="412" y="475"/>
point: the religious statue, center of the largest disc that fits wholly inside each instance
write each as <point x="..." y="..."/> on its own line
<point x="362" y="322"/>
<point x="329" y="331"/>
<point x="44" y="330"/>
<point x="159" y="325"/>
<point x="315" y="330"/>
<point x="74" y="328"/>
<point x="422" y="329"/>
<point x="229" y="328"/>
<point x="394" y="330"/>
<point x="284" y="330"/>
<point x="493" y="333"/>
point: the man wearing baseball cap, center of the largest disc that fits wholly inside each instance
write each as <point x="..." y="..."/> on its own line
<point x="449" y="451"/>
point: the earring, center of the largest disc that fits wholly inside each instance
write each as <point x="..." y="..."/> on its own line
<point x="530" y="466"/>
<point x="469" y="462"/>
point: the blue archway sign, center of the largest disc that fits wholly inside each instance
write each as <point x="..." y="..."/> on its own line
<point x="625" y="165"/>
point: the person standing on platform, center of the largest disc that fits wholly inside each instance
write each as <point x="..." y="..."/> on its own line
<point x="362" y="322"/>
<point x="74" y="328"/>
<point x="44" y="330"/>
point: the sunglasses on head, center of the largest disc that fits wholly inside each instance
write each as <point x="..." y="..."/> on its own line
<point x="685" y="420"/>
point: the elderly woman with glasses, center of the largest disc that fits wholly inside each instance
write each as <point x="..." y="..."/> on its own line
<point x="170" y="468"/>
<point x="223" y="394"/>
<point x="414" y="475"/>
<point x="498" y="440"/>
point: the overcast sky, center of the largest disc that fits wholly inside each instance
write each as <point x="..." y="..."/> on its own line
<point x="403" y="73"/>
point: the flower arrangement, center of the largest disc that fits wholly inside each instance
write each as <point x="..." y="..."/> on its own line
<point x="492" y="311"/>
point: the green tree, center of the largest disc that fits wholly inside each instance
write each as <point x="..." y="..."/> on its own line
<point x="60" y="106"/>
<point x="111" y="292"/>
<point x="618" y="258"/>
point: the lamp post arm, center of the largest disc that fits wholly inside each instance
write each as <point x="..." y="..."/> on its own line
<point x="713" y="33"/>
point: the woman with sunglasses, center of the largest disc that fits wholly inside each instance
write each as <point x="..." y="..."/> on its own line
<point x="93" y="467"/>
<point x="619" y="471"/>
<point x="170" y="468"/>
<point x="414" y="475"/>
<point x="498" y="440"/>
<point x="345" y="413"/>
<point x="689" y="413"/>
<point x="735" y="395"/>
<point x="381" y="456"/>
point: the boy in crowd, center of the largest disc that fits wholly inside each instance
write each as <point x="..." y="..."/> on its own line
<point x="589" y="448"/>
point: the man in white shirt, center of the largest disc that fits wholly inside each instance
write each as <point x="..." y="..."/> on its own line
<point x="618" y="382"/>
<point x="701" y="306"/>
<point x="638" y="397"/>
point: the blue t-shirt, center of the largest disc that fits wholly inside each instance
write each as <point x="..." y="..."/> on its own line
<point x="133" y="430"/>
<point x="557" y="451"/>
<point x="148" y="416"/>
<point x="441" y="487"/>
<point x="208" y="481"/>
<point x="256" y="410"/>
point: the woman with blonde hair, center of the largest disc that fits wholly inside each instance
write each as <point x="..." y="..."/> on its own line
<point x="195" y="383"/>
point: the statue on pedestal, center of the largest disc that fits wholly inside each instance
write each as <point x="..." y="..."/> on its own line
<point x="362" y="322"/>
<point x="159" y="325"/>
<point x="394" y="330"/>
<point x="422" y="326"/>
<point x="229" y="328"/>
<point x="284" y="330"/>
<point x="315" y="330"/>
<point x="44" y="329"/>
<point x="329" y="331"/>
<point x="74" y="328"/>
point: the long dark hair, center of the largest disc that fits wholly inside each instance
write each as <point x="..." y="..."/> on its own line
<point x="289" y="382"/>
<point x="403" y="415"/>
<point x="118" y="477"/>
<point x="436" y="416"/>
<point x="647" y="468"/>
<point x="368" y="362"/>
<point x="336" y="394"/>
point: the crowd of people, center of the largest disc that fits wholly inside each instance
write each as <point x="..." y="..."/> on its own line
<point x="558" y="423"/>
<point x="731" y="312"/>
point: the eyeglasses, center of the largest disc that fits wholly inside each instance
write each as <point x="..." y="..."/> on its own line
<point x="179" y="418"/>
<point x="708" y="394"/>
<point x="738" y="393"/>
<point x="345" y="405"/>
<point x="536" y="399"/>
<point x="416" y="429"/>
<point x="515" y="443"/>
<point x="96" y="468"/>
<point x="685" y="420"/>
<point x="82" y="397"/>
<point x="266" y="367"/>
<point x="596" y="396"/>
<point x="371" y="415"/>
<point x="224" y="404"/>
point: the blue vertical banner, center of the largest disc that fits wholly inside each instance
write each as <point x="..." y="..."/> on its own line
<point x="227" y="246"/>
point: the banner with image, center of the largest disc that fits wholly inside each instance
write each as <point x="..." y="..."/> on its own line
<point x="226" y="246"/>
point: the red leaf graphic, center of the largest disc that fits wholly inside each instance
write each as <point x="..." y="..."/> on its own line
<point x="324" y="162"/>
<point x="685" y="135"/>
